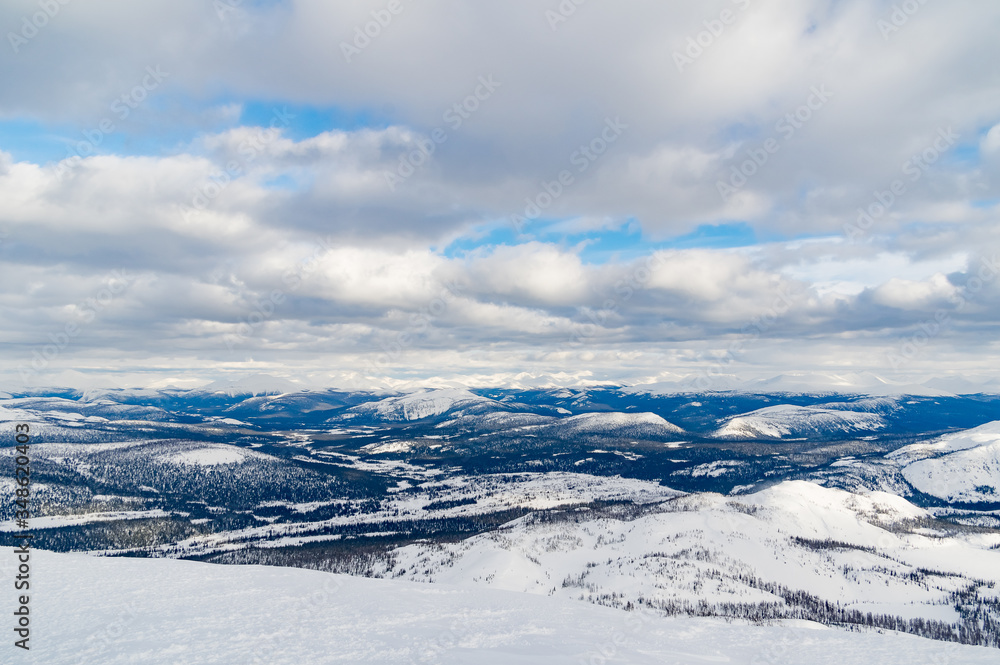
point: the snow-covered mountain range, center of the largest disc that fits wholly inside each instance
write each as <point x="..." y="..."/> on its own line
<point x="847" y="510"/>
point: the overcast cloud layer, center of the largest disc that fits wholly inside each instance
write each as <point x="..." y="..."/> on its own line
<point x="527" y="192"/>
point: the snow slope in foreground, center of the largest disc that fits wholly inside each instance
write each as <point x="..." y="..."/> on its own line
<point x="160" y="612"/>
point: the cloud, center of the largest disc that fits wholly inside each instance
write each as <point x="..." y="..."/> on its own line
<point x="279" y="204"/>
<point x="991" y="142"/>
<point x="908" y="294"/>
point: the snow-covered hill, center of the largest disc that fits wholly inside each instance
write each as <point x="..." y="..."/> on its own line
<point x="418" y="405"/>
<point x="759" y="553"/>
<point x="625" y="424"/>
<point x="104" y="408"/>
<point x="51" y="425"/>
<point x="163" y="612"/>
<point x="495" y="421"/>
<point x="962" y="467"/>
<point x="788" y="421"/>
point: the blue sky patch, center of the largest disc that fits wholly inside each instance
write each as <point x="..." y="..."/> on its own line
<point x="306" y="121"/>
<point x="623" y="243"/>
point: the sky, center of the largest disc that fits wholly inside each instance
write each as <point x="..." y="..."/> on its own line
<point x="389" y="192"/>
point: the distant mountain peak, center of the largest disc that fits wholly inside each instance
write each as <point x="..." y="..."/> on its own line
<point x="255" y="384"/>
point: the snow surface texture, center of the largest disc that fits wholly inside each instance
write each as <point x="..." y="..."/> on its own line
<point x="785" y="420"/>
<point x="164" y="612"/>
<point x="962" y="467"/>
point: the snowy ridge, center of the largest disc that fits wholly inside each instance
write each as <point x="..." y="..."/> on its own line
<point x="984" y="435"/>
<point x="785" y="421"/>
<point x="418" y="405"/>
<point x="880" y="405"/>
<point x="963" y="467"/>
<point x="638" y="423"/>
<point x="49" y="424"/>
<point x="105" y="408"/>
<point x="497" y="420"/>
